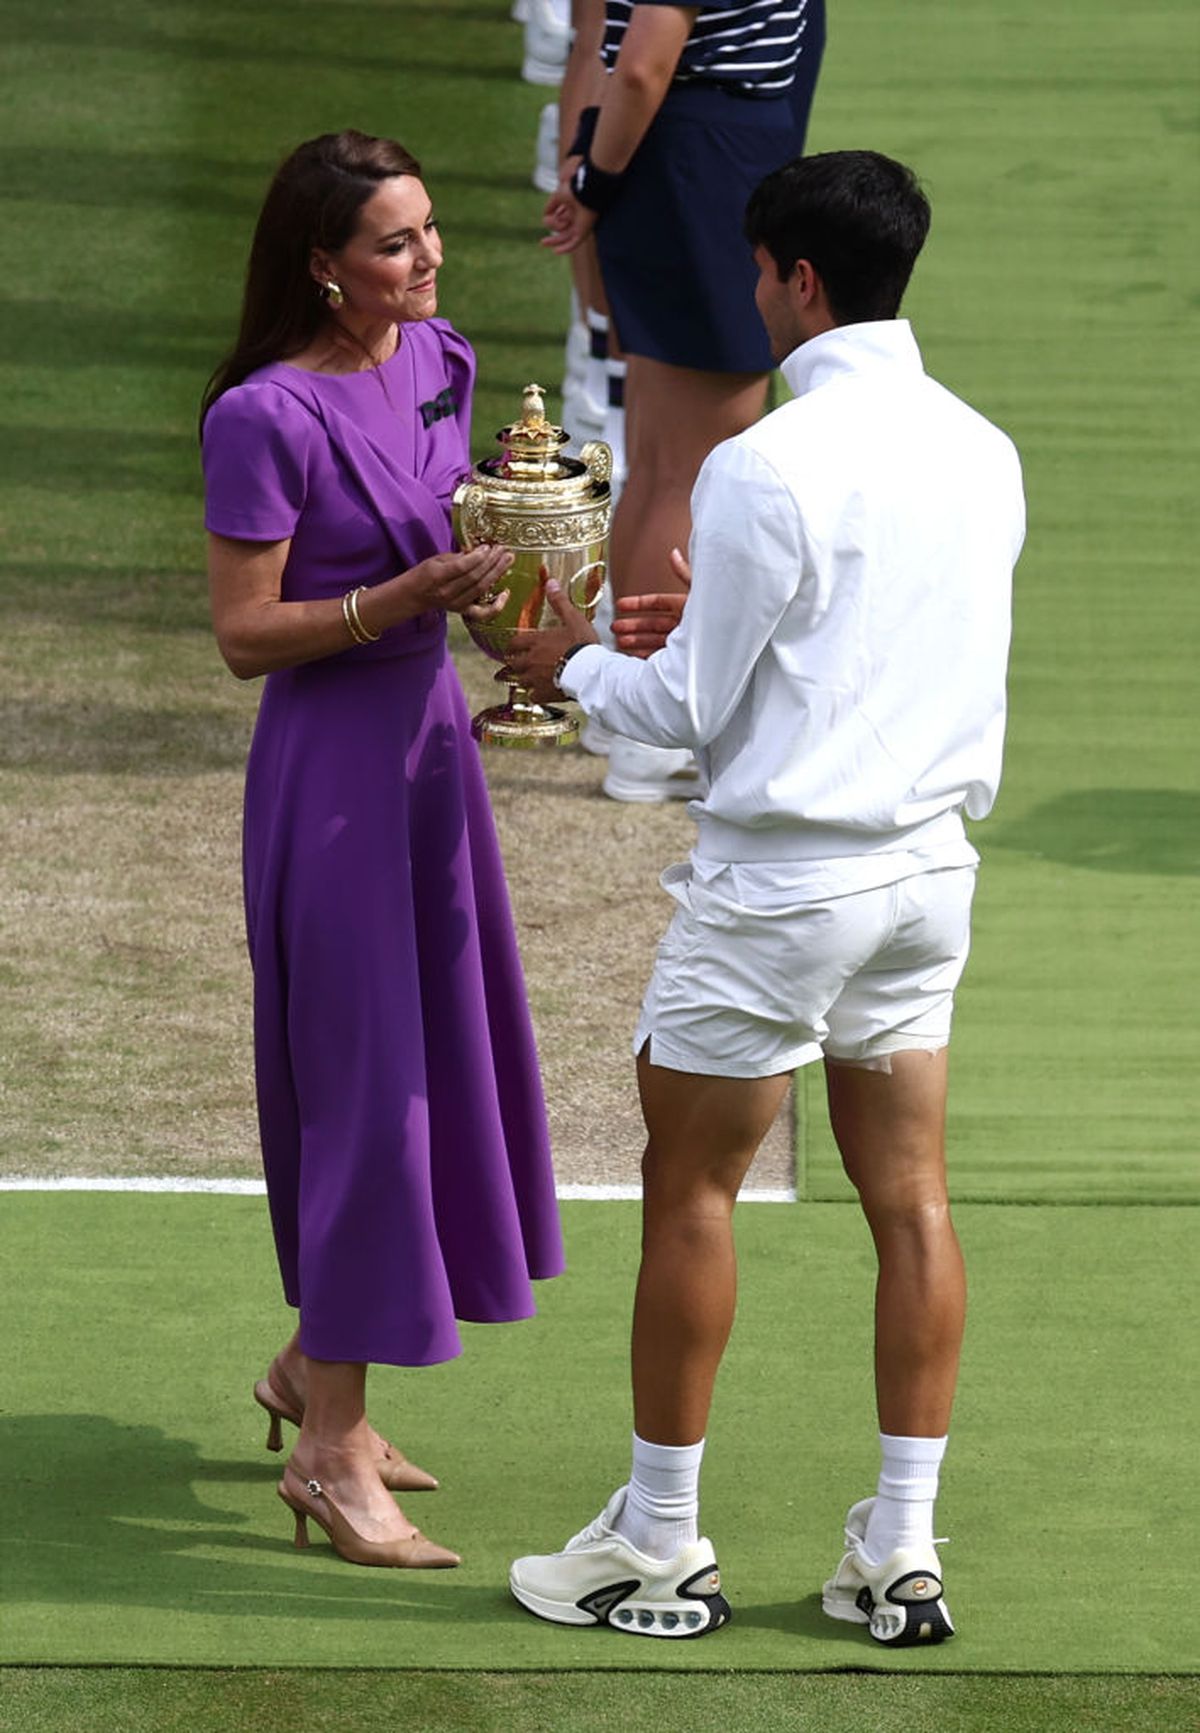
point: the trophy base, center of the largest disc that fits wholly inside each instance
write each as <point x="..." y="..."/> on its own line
<point x="524" y="725"/>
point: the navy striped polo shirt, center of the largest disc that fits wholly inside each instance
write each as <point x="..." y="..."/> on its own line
<point x="750" y="46"/>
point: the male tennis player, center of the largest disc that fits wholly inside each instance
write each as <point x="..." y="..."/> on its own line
<point x="839" y="671"/>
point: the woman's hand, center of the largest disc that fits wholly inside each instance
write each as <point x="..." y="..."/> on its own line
<point x="479" y="613"/>
<point x="456" y="582"/>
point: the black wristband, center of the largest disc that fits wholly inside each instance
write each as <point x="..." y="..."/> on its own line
<point x="595" y="187"/>
<point x="585" y="132"/>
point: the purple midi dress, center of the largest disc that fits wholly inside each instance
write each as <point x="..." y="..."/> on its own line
<point x="400" y="1106"/>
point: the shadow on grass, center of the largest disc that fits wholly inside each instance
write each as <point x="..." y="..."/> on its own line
<point x="64" y="334"/>
<point x="1115" y="830"/>
<point x="118" y="1516"/>
<point x="150" y="598"/>
<point x="804" y="1618"/>
<point x="132" y="180"/>
<point x="114" y="739"/>
<point x="102" y="460"/>
<point x="346" y="38"/>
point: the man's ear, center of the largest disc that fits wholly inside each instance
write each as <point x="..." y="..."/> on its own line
<point x="804" y="282"/>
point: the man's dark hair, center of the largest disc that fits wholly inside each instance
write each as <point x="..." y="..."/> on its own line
<point x="859" y="218"/>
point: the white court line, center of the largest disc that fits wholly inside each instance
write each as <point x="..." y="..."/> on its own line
<point x="256" y="1188"/>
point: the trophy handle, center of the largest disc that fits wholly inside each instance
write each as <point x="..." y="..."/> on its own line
<point x="470" y="514"/>
<point x="598" y="457"/>
<point x="584" y="586"/>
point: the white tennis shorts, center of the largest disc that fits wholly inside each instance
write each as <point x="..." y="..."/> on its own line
<point x="749" y="981"/>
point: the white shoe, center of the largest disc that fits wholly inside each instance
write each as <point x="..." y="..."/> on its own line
<point x="650" y="774"/>
<point x="575" y="350"/>
<point x="545" y="162"/>
<point x="900" y="1600"/>
<point x="547" y="41"/>
<point x="600" y="1579"/>
<point x="595" y="738"/>
<point x="581" y="418"/>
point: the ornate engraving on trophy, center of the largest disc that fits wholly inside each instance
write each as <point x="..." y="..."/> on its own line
<point x="553" y="512"/>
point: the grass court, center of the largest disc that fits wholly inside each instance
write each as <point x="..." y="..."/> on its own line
<point x="147" y="1570"/>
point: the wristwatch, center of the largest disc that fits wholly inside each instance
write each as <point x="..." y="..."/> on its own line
<point x="560" y="666"/>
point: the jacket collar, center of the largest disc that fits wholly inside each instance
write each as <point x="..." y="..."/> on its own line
<point x="852" y="349"/>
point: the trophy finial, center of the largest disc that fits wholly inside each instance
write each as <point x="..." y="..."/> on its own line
<point x="533" y="409"/>
<point x="533" y="439"/>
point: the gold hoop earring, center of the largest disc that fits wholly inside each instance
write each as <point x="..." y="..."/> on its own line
<point x="333" y="295"/>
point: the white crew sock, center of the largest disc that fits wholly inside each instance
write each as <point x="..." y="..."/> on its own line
<point x="614" y="425"/>
<point x="662" y="1500"/>
<point x="595" y="375"/>
<point x="902" y="1514"/>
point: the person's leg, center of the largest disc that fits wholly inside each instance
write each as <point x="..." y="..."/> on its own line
<point x="338" y="1446"/>
<point x="674" y="417"/>
<point x="702" y="1133"/>
<point x="641" y="1566"/>
<point x="284" y="1394"/>
<point x="889" y="1127"/>
<point x="890" y="1130"/>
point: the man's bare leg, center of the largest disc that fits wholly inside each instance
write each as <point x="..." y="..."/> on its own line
<point x="702" y="1134"/>
<point x="890" y="1130"/>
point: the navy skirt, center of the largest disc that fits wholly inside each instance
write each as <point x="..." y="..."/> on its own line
<point x="678" y="272"/>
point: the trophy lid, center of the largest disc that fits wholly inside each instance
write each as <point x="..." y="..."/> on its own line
<point x="532" y="445"/>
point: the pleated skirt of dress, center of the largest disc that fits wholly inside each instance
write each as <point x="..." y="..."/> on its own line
<point x="400" y="1105"/>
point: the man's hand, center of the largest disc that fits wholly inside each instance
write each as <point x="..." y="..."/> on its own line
<point x="533" y="656"/>
<point x="644" y="623"/>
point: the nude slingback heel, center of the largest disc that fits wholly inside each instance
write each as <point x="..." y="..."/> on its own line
<point x="276" y="1395"/>
<point x="308" y="1498"/>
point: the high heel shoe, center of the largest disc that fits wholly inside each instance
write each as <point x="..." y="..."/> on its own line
<point x="276" y="1394"/>
<point x="308" y="1498"/>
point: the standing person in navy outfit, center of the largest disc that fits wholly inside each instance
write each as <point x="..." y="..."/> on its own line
<point x="698" y="103"/>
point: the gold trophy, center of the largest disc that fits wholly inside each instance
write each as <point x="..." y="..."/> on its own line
<point x="553" y="513"/>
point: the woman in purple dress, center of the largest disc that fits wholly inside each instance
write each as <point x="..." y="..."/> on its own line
<point x="400" y="1108"/>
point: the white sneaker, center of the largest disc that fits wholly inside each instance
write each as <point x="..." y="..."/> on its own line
<point x="595" y="738"/>
<point x="575" y="349"/>
<point x="600" y="1579"/>
<point x="545" y="161"/>
<point x="900" y="1600"/>
<point x="581" y="418"/>
<point x="650" y="774"/>
<point x="547" y="41"/>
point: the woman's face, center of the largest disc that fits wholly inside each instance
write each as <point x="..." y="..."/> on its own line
<point x="388" y="269"/>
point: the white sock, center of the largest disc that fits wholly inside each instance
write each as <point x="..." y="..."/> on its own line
<point x="662" y="1501"/>
<point x="902" y="1514"/>
<point x="614" y="423"/>
<point x="595" y="377"/>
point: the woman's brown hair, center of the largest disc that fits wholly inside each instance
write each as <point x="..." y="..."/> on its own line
<point x="313" y="201"/>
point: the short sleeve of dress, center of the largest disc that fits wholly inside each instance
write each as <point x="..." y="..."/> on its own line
<point x="459" y="359"/>
<point x="256" y="446"/>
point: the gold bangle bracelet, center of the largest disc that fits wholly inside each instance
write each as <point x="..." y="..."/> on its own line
<point x="354" y="631"/>
<point x="367" y="636"/>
